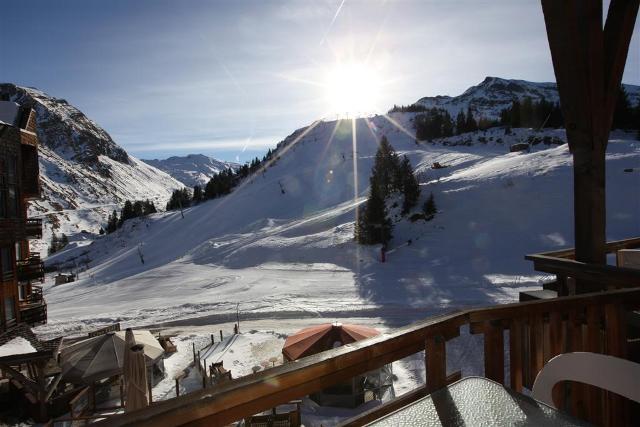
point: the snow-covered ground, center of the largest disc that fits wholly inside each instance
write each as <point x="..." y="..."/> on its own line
<point x="281" y="248"/>
<point x="293" y="255"/>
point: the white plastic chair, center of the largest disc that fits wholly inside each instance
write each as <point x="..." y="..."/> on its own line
<point x="610" y="373"/>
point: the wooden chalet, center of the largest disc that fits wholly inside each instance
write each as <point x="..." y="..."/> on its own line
<point x="596" y="302"/>
<point x="21" y="299"/>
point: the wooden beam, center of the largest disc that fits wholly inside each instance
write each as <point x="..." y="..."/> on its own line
<point x="574" y="30"/>
<point x="618" y="29"/>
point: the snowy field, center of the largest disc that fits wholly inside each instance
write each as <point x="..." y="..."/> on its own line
<point x="280" y="247"/>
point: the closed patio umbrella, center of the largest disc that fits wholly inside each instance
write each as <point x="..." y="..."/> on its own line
<point x="137" y="391"/>
<point x="129" y="341"/>
<point x="103" y="356"/>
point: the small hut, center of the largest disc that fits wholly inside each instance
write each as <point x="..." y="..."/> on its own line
<point x="374" y="385"/>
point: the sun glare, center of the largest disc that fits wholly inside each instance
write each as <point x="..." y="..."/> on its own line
<point x="352" y="89"/>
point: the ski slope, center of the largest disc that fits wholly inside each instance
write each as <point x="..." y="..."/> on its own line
<point x="281" y="245"/>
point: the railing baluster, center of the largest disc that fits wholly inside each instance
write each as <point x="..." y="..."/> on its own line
<point x="494" y="351"/>
<point x="537" y="345"/>
<point x="616" y="345"/>
<point x="594" y="396"/>
<point x="515" y="354"/>
<point x="574" y="328"/>
<point x="556" y="346"/>
<point x="435" y="362"/>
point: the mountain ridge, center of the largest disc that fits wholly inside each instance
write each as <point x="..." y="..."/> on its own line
<point x="488" y="98"/>
<point x="192" y="169"/>
<point x="84" y="174"/>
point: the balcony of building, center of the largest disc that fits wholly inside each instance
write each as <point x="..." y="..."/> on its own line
<point x="33" y="228"/>
<point x="33" y="310"/>
<point x="30" y="269"/>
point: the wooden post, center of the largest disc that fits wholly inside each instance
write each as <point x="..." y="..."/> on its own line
<point x="493" y="352"/>
<point x="515" y="355"/>
<point x="177" y="387"/>
<point x="220" y="334"/>
<point x="435" y="363"/>
<point x="193" y="345"/>
<point x="212" y="340"/>
<point x="588" y="63"/>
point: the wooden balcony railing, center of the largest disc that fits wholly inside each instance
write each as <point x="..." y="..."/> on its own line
<point x="7" y="276"/>
<point x="30" y="269"/>
<point x="536" y="331"/>
<point x="34" y="313"/>
<point x="567" y="270"/>
<point x="12" y="230"/>
<point x="33" y="228"/>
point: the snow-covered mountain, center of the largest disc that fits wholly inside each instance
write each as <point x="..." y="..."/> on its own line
<point x="494" y="94"/>
<point x="193" y="169"/>
<point x="84" y="174"/>
<point x="281" y="244"/>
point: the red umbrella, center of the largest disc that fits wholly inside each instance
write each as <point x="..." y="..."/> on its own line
<point x="323" y="337"/>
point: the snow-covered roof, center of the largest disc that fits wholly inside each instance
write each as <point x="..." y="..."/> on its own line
<point x="9" y="112"/>
<point x="18" y="345"/>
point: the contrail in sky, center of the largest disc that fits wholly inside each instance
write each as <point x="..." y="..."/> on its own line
<point x="332" y="21"/>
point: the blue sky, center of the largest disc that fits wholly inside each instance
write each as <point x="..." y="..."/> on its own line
<point x="232" y="78"/>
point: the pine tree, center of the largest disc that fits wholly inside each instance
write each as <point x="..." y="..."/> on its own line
<point x="197" y="194"/>
<point x="471" y="125"/>
<point x="112" y="224"/>
<point x="623" y="114"/>
<point x="374" y="226"/>
<point x="429" y="208"/>
<point x="127" y="213"/>
<point x="138" y="209"/>
<point x="384" y="172"/>
<point x="516" y="121"/>
<point x="461" y="123"/>
<point x="53" y="247"/>
<point x="410" y="186"/>
<point x="527" y="116"/>
<point x="149" y="207"/>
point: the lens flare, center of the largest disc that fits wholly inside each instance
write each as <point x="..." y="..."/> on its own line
<point x="352" y="89"/>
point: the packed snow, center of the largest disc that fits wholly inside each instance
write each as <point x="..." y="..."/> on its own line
<point x="18" y="345"/>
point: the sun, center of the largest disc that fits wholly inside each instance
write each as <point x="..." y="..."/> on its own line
<point x="352" y="89"/>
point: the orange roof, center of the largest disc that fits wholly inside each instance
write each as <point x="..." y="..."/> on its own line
<point x="323" y="337"/>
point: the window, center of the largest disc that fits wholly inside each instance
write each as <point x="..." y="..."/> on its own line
<point x="6" y="264"/>
<point x="9" y="187"/>
<point x="9" y="309"/>
<point x="18" y="249"/>
<point x="22" y="292"/>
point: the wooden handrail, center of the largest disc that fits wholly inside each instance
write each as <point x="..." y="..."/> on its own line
<point x="606" y="275"/>
<point x="610" y="247"/>
<point x="246" y="396"/>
